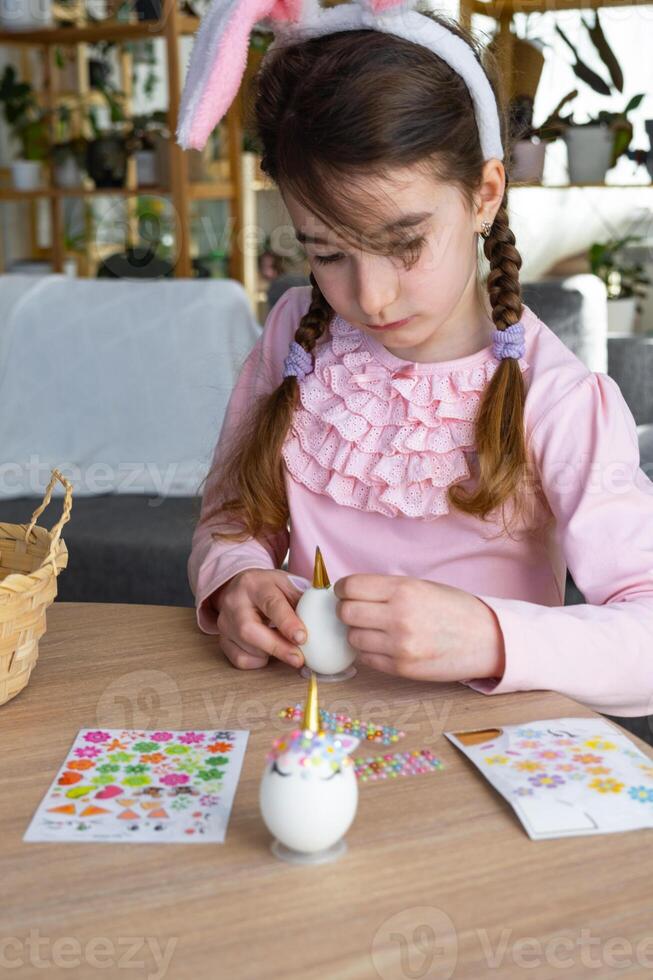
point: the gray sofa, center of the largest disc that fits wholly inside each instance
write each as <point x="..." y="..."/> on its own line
<point x="129" y="548"/>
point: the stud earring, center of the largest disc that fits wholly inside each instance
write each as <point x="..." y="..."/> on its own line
<point x="486" y="228"/>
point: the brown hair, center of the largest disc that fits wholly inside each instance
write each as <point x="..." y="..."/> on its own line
<point x="359" y="104"/>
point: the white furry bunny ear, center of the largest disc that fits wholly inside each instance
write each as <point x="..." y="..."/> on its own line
<point x="381" y="6"/>
<point x="219" y="57"/>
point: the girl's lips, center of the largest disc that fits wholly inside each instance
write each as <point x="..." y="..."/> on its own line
<point x="389" y="326"/>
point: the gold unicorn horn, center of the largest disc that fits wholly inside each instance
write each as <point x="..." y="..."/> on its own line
<point x="320" y="577"/>
<point x="311" y="712"/>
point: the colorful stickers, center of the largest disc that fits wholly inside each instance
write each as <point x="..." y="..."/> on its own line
<point x="565" y="776"/>
<point x="143" y="786"/>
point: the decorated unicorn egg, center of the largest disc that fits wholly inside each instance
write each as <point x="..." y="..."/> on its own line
<point x="326" y="650"/>
<point x="309" y="793"/>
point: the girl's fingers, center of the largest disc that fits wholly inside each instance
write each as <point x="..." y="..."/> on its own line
<point x="240" y="658"/>
<point x="367" y="615"/>
<point x="273" y="603"/>
<point x="388" y="665"/>
<point x="370" y="641"/>
<point x="260" y="638"/>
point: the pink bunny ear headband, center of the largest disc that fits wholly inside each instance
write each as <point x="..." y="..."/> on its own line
<point x="219" y="55"/>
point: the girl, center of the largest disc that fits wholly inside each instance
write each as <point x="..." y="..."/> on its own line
<point x="449" y="455"/>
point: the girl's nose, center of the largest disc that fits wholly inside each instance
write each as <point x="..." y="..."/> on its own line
<point x="377" y="287"/>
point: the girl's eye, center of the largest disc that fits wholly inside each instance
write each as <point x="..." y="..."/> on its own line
<point x="326" y="259"/>
<point x="410" y="247"/>
<point x="414" y="247"/>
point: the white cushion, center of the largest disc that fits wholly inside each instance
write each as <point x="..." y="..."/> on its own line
<point x="122" y="384"/>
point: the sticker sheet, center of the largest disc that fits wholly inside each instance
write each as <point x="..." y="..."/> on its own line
<point x="565" y="776"/>
<point x="143" y="786"/>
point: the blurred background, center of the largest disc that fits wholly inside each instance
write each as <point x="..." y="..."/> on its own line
<point x="91" y="183"/>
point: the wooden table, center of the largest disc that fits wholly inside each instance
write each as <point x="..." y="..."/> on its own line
<point x="438" y="869"/>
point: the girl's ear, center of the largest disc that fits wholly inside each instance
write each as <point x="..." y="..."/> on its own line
<point x="218" y="60"/>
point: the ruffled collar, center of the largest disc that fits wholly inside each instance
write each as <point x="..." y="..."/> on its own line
<point x="382" y="434"/>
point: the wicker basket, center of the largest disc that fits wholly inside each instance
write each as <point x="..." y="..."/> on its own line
<point x="31" y="557"/>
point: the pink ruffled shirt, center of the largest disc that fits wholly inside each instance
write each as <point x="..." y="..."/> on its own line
<point x="368" y="459"/>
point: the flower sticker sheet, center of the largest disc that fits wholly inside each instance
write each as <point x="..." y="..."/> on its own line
<point x="143" y="786"/>
<point x="565" y="776"/>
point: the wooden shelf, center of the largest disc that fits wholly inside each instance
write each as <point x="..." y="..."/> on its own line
<point x="499" y="9"/>
<point x="210" y="190"/>
<point x="10" y="194"/>
<point x="224" y="190"/>
<point x="224" y="184"/>
<point x="566" y="187"/>
<point x="107" y="30"/>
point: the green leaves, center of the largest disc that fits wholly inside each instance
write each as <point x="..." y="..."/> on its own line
<point x="605" y="52"/>
<point x="610" y="262"/>
<point x="634" y="102"/>
<point x="24" y="115"/>
<point x="583" y="71"/>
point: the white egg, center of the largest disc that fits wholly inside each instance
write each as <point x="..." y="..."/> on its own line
<point x="326" y="649"/>
<point x="306" y="803"/>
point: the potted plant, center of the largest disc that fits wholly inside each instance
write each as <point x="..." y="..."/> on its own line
<point x="143" y="57"/>
<point x="99" y="64"/>
<point x="74" y="244"/>
<point x="69" y="162"/>
<point x="528" y="142"/>
<point x="594" y="146"/>
<point x="65" y="59"/>
<point x="624" y="279"/>
<point x="146" y="140"/>
<point x="106" y="153"/>
<point x="69" y="149"/>
<point x="28" y="123"/>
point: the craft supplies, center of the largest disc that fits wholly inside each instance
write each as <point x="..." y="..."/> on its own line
<point x="326" y="650"/>
<point x="143" y="786"/>
<point x="309" y="795"/>
<point x="342" y="724"/>
<point x="31" y="558"/>
<point x="395" y="764"/>
<point x="565" y="776"/>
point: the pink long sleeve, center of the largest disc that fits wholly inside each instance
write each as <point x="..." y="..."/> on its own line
<point x="599" y="653"/>
<point x="212" y="562"/>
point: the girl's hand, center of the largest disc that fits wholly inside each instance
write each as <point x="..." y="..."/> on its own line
<point x="420" y="629"/>
<point x="244" y="605"/>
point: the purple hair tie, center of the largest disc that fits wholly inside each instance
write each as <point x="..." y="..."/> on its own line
<point x="509" y="342"/>
<point x="298" y="362"/>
